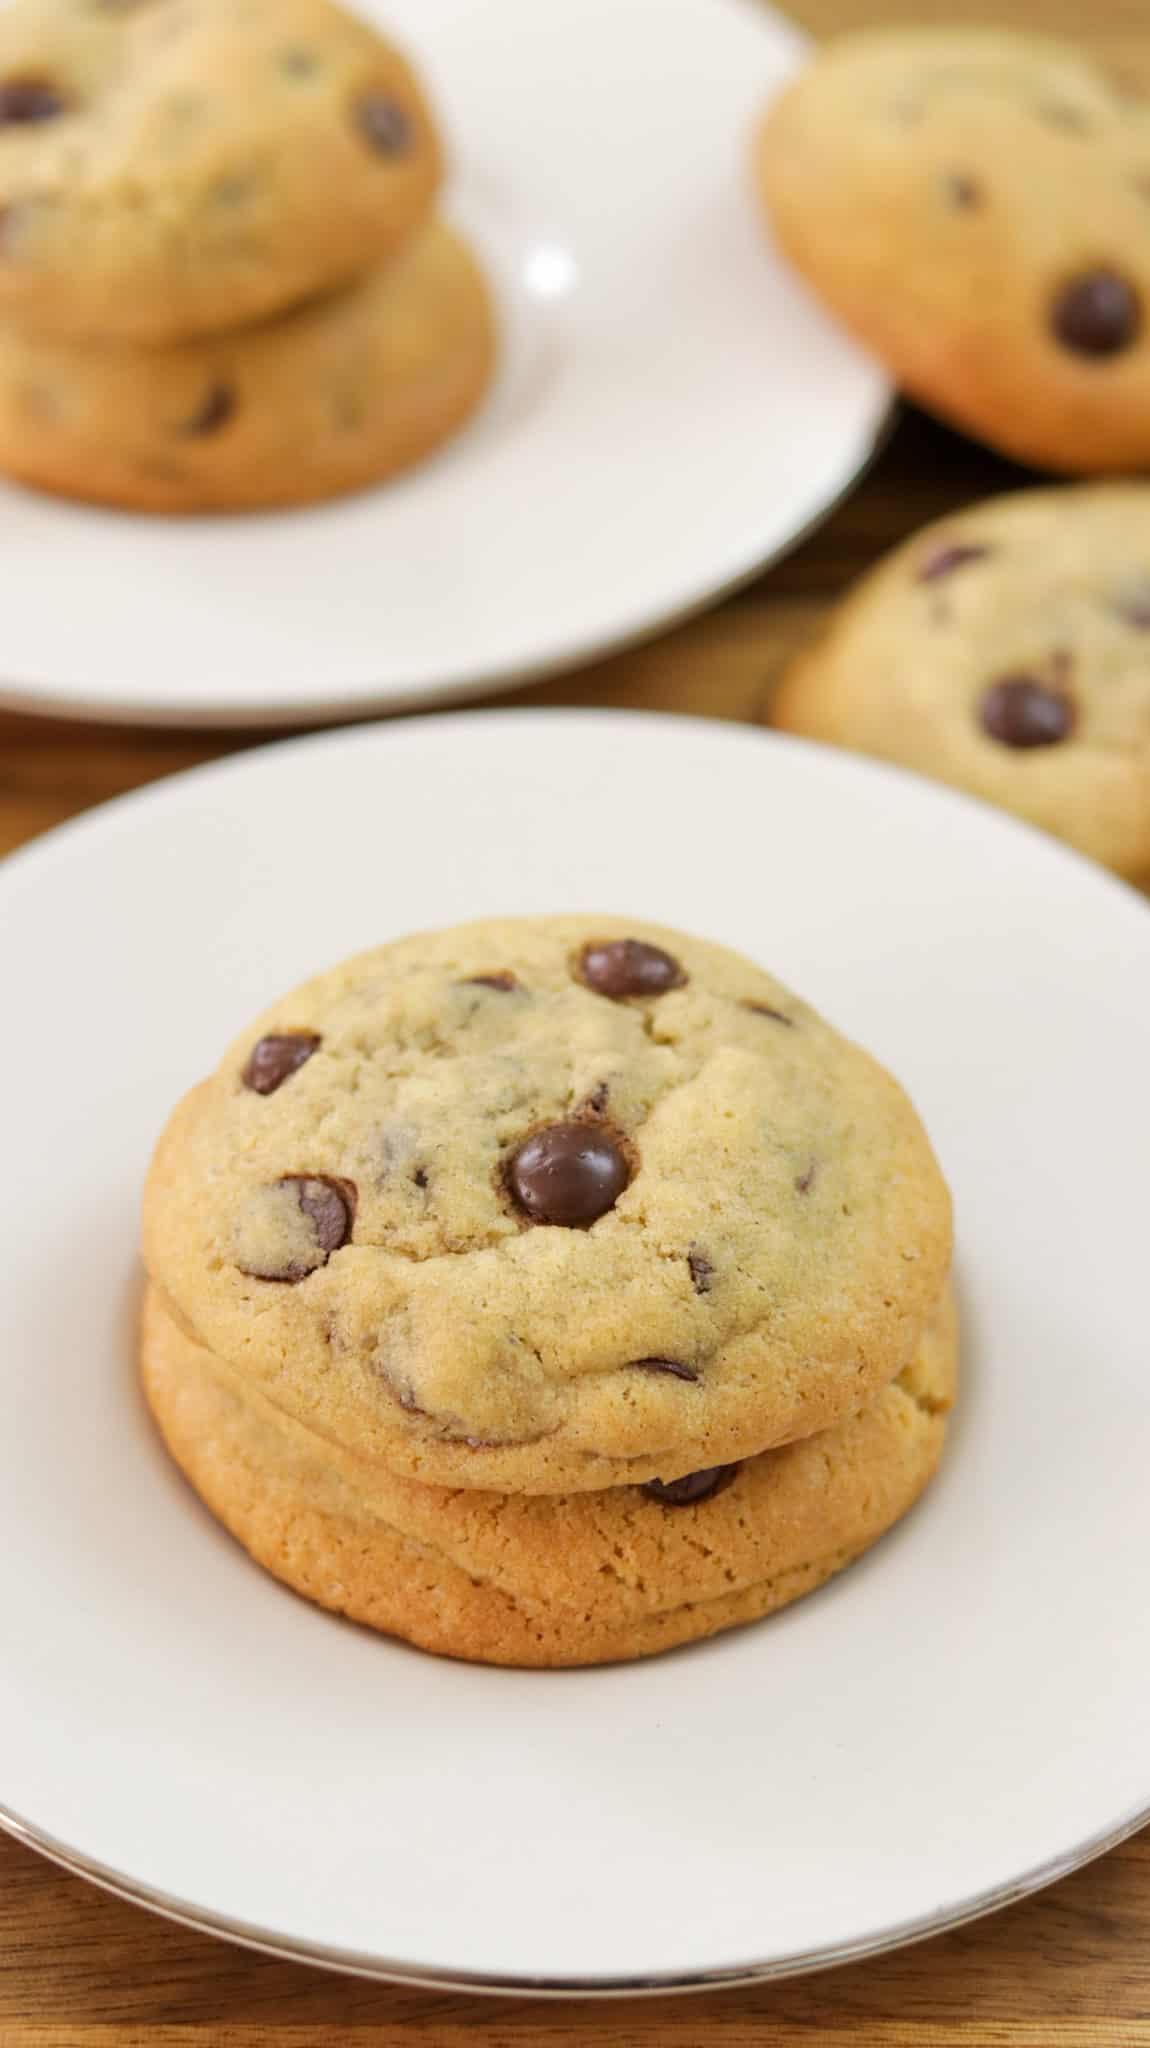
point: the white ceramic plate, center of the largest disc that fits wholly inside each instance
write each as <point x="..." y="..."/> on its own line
<point x="953" y="1722"/>
<point x="672" y="411"/>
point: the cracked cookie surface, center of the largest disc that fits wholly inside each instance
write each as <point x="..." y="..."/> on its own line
<point x="170" y="167"/>
<point x="332" y="398"/>
<point x="1005" y="650"/>
<point x="459" y="1208"/>
<point x="534" y="1580"/>
<point x="975" y="205"/>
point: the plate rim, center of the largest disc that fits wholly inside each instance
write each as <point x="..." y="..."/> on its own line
<point x="359" y="1963"/>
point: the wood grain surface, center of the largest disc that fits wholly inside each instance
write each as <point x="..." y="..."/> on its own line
<point x="1070" y="1968"/>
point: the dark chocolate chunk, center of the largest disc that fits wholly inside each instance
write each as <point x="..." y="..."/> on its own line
<point x="384" y="124"/>
<point x="1020" y="711"/>
<point x="569" y="1173"/>
<point x="701" y="1270"/>
<point x="27" y="100"/>
<point x="1096" y="314"/>
<point x="693" y="1487"/>
<point x="948" y="556"/>
<point x="673" y="1366"/>
<point x="277" y="1056"/>
<point x="629" y="967"/>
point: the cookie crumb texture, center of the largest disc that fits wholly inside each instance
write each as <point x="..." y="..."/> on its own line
<point x="975" y="205"/>
<point x="746" y="1246"/>
<point x="544" y="1581"/>
<point x="168" y="168"/>
<point x="330" y="399"/>
<point x="1005" y="650"/>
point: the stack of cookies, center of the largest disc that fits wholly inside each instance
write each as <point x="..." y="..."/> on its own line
<point x="549" y="1292"/>
<point x="221" y="281"/>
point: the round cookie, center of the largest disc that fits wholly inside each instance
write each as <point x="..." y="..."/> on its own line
<point x="169" y="167"/>
<point x="547" y="1204"/>
<point x="532" y="1580"/>
<point x="335" y="396"/>
<point x="975" y="206"/>
<point x="1005" y="650"/>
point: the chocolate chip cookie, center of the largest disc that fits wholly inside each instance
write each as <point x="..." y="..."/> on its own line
<point x="338" y="395"/>
<point x="507" y="1579"/>
<point x="169" y="167"/>
<point x="550" y="1204"/>
<point x="975" y="205"/>
<point x="1005" y="650"/>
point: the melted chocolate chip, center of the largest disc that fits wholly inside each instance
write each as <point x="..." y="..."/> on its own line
<point x="384" y="124"/>
<point x="277" y="1056"/>
<point x="700" y="1268"/>
<point x="673" y="1366"/>
<point x="948" y="556"/>
<point x="629" y="967"/>
<point x="1022" y="712"/>
<point x="963" y="191"/>
<point x="568" y="1173"/>
<point x="765" y="1010"/>
<point x="1097" y="314"/>
<point x="27" y="100"/>
<point x="329" y="1206"/>
<point x="692" y="1487"/>
<point x="215" y="409"/>
<point x="504" y="981"/>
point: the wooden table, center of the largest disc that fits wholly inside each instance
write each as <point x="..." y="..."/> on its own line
<point x="1070" y="1968"/>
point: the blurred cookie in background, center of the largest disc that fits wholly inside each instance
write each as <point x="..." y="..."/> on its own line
<point x="1006" y="651"/>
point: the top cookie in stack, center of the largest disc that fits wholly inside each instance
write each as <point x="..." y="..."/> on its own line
<point x="172" y="171"/>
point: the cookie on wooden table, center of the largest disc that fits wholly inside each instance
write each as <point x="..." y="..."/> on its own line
<point x="975" y="205"/>
<point x="550" y="1204"/>
<point x="1005" y="650"/>
<point x="535" y="1580"/>
<point x="168" y="167"/>
<point x="331" y="398"/>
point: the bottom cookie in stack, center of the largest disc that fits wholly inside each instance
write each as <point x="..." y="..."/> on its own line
<point x="545" y="1580"/>
<point x="337" y="395"/>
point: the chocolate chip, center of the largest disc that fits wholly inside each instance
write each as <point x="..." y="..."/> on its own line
<point x="26" y="100"/>
<point x="329" y="1206"/>
<point x="629" y="967"/>
<point x="700" y="1269"/>
<point x="419" y="1177"/>
<point x="673" y="1366"/>
<point x="384" y="125"/>
<point x="1022" y="712"/>
<point x="806" y="1179"/>
<point x="692" y="1487"/>
<point x="277" y="1056"/>
<point x="1097" y="314"/>
<point x="765" y="1010"/>
<point x="948" y="556"/>
<point x="568" y="1173"/>
<point x="504" y="981"/>
<point x="963" y="191"/>
<point x="215" y="409"/>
